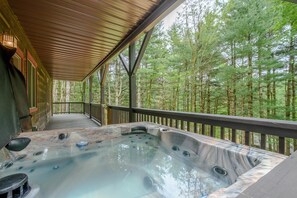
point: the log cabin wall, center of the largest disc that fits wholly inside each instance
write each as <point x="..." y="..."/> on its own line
<point x="39" y="83"/>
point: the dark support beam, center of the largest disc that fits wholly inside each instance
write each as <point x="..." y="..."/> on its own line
<point x="144" y="44"/>
<point x="131" y="69"/>
<point x="124" y="62"/>
<point x="132" y="82"/>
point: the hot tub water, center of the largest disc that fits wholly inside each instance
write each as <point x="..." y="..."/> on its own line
<point x="135" y="165"/>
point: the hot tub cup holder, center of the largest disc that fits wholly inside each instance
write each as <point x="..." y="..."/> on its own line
<point x="6" y="164"/>
<point x="164" y="129"/>
<point x="20" y="157"/>
<point x="62" y="136"/>
<point x="81" y="144"/>
<point x="219" y="171"/>
<point x="38" y="153"/>
<point x="175" y="148"/>
<point x="186" y="153"/>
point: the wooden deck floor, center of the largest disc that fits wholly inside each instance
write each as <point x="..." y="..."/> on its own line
<point x="62" y="121"/>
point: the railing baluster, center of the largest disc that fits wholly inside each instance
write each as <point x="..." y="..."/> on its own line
<point x="203" y="129"/>
<point x="281" y="146"/>
<point x="188" y="126"/>
<point x="211" y="131"/>
<point x="176" y="124"/>
<point x="171" y="122"/>
<point x="182" y="125"/>
<point x="263" y="141"/>
<point x="195" y="127"/>
<point x="234" y="135"/>
<point x="222" y="133"/>
<point x="247" y="138"/>
<point x="166" y="121"/>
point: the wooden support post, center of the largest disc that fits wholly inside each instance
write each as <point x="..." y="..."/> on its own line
<point x="83" y="97"/>
<point x="132" y="82"/>
<point x="90" y="95"/>
<point x="103" y="72"/>
<point x="131" y="69"/>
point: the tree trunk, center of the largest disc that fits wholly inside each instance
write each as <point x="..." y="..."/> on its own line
<point x="268" y="94"/>
<point x="250" y="81"/>
<point x="274" y="94"/>
<point x="234" y="78"/>
<point x="208" y="96"/>
<point x="260" y="93"/>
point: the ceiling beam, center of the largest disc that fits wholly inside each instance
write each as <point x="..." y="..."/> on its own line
<point x="148" y="23"/>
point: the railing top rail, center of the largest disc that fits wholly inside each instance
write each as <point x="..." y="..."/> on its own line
<point x="119" y="108"/>
<point x="280" y="128"/>
<point x="68" y="102"/>
<point x="239" y="119"/>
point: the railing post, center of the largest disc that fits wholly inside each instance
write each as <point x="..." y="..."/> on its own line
<point x="69" y="107"/>
<point x="109" y="115"/>
<point x="84" y="98"/>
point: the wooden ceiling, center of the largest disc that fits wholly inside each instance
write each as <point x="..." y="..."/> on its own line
<point x="73" y="38"/>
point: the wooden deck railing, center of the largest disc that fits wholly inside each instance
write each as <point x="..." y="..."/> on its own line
<point x="68" y="107"/>
<point x="94" y="111"/>
<point x="262" y="133"/>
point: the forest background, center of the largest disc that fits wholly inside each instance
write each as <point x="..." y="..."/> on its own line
<point x="230" y="57"/>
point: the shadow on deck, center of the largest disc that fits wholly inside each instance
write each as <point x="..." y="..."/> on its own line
<point x="62" y="121"/>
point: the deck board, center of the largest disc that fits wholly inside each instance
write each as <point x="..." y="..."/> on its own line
<point x="62" y="121"/>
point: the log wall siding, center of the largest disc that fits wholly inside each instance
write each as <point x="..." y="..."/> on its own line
<point x="9" y="23"/>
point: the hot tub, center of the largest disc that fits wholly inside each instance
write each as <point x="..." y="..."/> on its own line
<point x="112" y="161"/>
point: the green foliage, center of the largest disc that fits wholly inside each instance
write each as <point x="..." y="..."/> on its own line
<point x="235" y="57"/>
